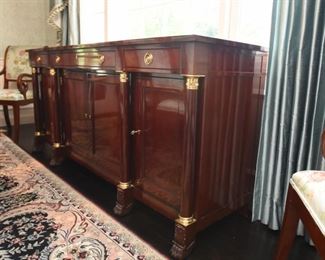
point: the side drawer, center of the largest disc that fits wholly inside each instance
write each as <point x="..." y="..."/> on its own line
<point x="105" y="59"/>
<point x="38" y="59"/>
<point x="152" y="59"/>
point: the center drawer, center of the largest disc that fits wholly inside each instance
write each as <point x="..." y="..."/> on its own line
<point x="85" y="59"/>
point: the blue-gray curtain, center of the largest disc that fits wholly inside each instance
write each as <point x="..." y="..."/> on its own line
<point x="71" y="23"/>
<point x="294" y="108"/>
<point x="64" y="17"/>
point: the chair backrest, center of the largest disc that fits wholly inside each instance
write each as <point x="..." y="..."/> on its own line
<point x="16" y="61"/>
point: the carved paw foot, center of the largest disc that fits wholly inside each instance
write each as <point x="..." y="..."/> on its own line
<point x="121" y="210"/>
<point x="124" y="201"/>
<point x="179" y="252"/>
<point x="56" y="161"/>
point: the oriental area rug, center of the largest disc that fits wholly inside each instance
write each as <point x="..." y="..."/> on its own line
<point x="42" y="217"/>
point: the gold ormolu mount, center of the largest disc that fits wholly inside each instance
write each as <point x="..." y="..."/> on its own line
<point x="123" y="77"/>
<point x="124" y="185"/>
<point x="56" y="145"/>
<point x="38" y="133"/>
<point x="185" y="221"/>
<point x="52" y="72"/>
<point x="192" y="83"/>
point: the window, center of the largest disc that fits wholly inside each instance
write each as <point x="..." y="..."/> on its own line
<point x="239" y="20"/>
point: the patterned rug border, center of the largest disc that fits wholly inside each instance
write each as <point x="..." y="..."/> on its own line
<point x="79" y="199"/>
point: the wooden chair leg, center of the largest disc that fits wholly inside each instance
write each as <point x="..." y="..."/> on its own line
<point x="289" y="227"/>
<point x="16" y="123"/>
<point x="6" y="114"/>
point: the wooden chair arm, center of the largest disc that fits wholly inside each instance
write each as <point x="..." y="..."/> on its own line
<point x="22" y="84"/>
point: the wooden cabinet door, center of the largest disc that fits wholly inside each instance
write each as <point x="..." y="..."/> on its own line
<point x="106" y="124"/>
<point x="157" y="136"/>
<point x="79" y="106"/>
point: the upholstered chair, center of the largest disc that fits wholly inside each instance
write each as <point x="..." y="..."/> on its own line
<point x="17" y="88"/>
<point x="305" y="201"/>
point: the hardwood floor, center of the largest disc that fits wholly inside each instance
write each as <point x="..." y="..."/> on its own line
<point x="234" y="237"/>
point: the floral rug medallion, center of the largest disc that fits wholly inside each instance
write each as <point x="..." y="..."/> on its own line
<point x="42" y="217"/>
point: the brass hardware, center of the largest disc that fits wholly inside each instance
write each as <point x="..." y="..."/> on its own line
<point x="33" y="70"/>
<point x="88" y="116"/>
<point x="38" y="59"/>
<point x="95" y="59"/>
<point x="148" y="58"/>
<point x="101" y="59"/>
<point x="57" y="59"/>
<point x="123" y="77"/>
<point x="192" y="83"/>
<point x="56" y="145"/>
<point x="52" y="72"/>
<point x="124" y="185"/>
<point x="38" y="133"/>
<point x="193" y="75"/>
<point x="185" y="221"/>
<point x="133" y="132"/>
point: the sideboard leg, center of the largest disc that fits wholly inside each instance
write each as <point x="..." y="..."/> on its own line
<point x="58" y="154"/>
<point x="124" y="200"/>
<point x="184" y="239"/>
<point x="38" y="142"/>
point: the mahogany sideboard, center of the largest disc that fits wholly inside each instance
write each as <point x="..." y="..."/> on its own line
<point x="172" y="121"/>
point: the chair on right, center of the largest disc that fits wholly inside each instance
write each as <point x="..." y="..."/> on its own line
<point x="305" y="201"/>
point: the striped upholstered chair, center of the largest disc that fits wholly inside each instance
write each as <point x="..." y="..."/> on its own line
<point x="17" y="90"/>
<point x="305" y="201"/>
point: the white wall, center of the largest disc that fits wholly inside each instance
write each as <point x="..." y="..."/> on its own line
<point x="24" y="22"/>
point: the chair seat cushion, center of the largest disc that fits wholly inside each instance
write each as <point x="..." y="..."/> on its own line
<point x="14" y="94"/>
<point x="310" y="186"/>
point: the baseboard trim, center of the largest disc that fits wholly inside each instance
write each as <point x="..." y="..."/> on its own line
<point x="26" y="115"/>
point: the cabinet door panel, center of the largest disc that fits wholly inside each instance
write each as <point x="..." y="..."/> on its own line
<point x="79" y="106"/>
<point x="159" y="114"/>
<point x="107" y="124"/>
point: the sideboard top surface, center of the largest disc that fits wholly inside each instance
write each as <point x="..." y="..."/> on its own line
<point x="157" y="40"/>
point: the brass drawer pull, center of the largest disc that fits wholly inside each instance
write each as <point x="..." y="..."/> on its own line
<point x="134" y="132"/>
<point x="57" y="59"/>
<point x="94" y="59"/>
<point x="38" y="59"/>
<point x="148" y="58"/>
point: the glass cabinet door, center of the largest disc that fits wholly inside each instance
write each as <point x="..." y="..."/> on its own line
<point x="159" y="125"/>
<point x="106" y="124"/>
<point x="79" y="107"/>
